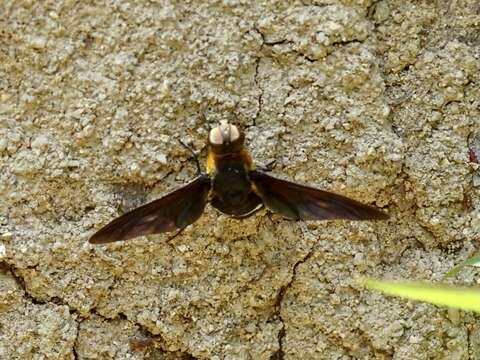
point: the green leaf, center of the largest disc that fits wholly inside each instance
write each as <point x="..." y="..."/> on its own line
<point x="438" y="294"/>
<point x="473" y="261"/>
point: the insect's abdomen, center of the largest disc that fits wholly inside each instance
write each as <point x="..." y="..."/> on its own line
<point x="232" y="190"/>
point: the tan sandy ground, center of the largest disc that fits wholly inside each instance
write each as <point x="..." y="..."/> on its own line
<point x="377" y="101"/>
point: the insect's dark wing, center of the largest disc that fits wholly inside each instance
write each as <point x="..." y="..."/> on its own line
<point x="296" y="201"/>
<point x="174" y="211"/>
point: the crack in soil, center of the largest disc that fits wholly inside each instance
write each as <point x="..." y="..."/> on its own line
<point x="279" y="354"/>
<point x="23" y="286"/>
<point x="256" y="76"/>
<point x="260" y="96"/>
<point x="78" y="318"/>
<point x="53" y="301"/>
<point x="75" y="343"/>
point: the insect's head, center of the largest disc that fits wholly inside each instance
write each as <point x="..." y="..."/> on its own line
<point x="225" y="138"/>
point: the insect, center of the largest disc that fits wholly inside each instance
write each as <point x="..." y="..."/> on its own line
<point x="234" y="186"/>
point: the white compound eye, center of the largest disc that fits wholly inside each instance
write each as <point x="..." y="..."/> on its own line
<point x="225" y="133"/>
<point x="215" y="136"/>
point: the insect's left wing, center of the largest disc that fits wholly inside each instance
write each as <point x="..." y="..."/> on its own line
<point x="173" y="211"/>
<point x="301" y="202"/>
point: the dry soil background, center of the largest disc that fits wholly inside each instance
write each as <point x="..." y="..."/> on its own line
<point x="376" y="100"/>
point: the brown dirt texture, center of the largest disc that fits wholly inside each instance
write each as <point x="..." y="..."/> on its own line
<point x="379" y="101"/>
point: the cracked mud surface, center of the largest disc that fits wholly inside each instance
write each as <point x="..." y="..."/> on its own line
<point x="377" y="101"/>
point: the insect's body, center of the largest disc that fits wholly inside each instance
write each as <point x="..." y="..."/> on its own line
<point x="234" y="187"/>
<point x="232" y="191"/>
<point x="229" y="165"/>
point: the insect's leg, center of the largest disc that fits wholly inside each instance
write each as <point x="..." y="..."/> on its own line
<point x="194" y="155"/>
<point x="268" y="167"/>
<point x="266" y="218"/>
<point x="175" y="235"/>
<point x="270" y="217"/>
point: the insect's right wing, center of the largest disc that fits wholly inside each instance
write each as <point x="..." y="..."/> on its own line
<point x="173" y="211"/>
<point x="301" y="202"/>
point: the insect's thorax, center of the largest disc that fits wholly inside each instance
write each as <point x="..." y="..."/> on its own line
<point x="231" y="187"/>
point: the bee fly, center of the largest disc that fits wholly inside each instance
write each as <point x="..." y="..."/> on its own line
<point x="233" y="186"/>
